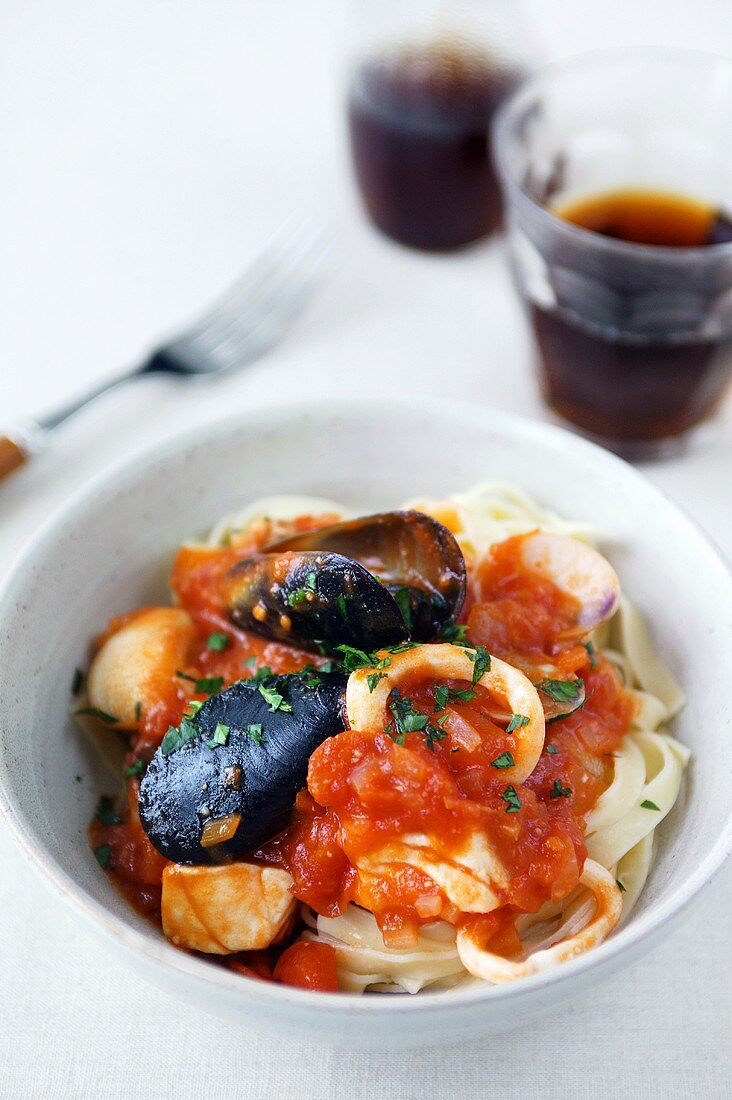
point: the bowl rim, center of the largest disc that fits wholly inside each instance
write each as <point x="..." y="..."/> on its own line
<point x="199" y="970"/>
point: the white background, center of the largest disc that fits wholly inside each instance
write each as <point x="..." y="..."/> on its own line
<point x="147" y="147"/>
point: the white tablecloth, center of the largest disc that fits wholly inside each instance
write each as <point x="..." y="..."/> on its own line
<point x="147" y="148"/>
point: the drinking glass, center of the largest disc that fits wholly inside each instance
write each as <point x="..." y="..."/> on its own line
<point x="633" y="341"/>
<point x="426" y="78"/>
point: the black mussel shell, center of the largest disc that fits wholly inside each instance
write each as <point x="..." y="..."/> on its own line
<point x="255" y="774"/>
<point x="401" y="574"/>
<point x="313" y="599"/>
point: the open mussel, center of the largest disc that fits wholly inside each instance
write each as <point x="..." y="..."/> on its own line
<point x="225" y="781"/>
<point x="368" y="582"/>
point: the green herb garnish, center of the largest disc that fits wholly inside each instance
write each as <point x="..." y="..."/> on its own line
<point x="103" y="854"/>
<point x="646" y="804"/>
<point x="454" y="634"/>
<point x="178" y="736"/>
<point x="404" y="604"/>
<point x="552" y="749"/>
<point x="254" y="732"/>
<point x="591" y="653"/>
<point x="272" y="696"/>
<point x="620" y="886"/>
<point x="561" y="691"/>
<point x="342" y="605"/>
<point x="209" y="685"/>
<point x="185" y="676"/>
<point x="217" y="641"/>
<point x="374" y="678"/>
<point x="517" y="721"/>
<point x="481" y="659"/>
<point x="558" y="791"/>
<point x="505" y="760"/>
<point x="512" y="800"/>
<point x="137" y="767"/>
<point x="106" y="813"/>
<point x="220" y="736"/>
<point x="95" y="712"/>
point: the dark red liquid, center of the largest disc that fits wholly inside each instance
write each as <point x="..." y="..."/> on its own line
<point x="419" y="125"/>
<point x="634" y="363"/>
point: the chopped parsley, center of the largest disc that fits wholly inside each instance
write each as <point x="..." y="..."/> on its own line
<point x="374" y="678"/>
<point x="512" y="800"/>
<point x="408" y="720"/>
<point x="254" y="732"/>
<point x="404" y="604"/>
<point x="442" y="693"/>
<point x="218" y="641"/>
<point x="552" y="749"/>
<point x="646" y="804"/>
<point x="301" y="593"/>
<point x="354" y="659"/>
<point x="106" y="813"/>
<point x="178" y="736"/>
<point x="561" y="691"/>
<point x="272" y="696"/>
<point x="77" y="681"/>
<point x="209" y="685"/>
<point x="454" y="634"/>
<point x="558" y="791"/>
<point x="342" y="605"/>
<point x="95" y="712"/>
<point x="185" y="676"/>
<point x="220" y="736"/>
<point x="517" y="721"/>
<point x="481" y="659"/>
<point x="505" y="760"/>
<point x="620" y="886"/>
<point x="249" y="663"/>
<point x="103" y="854"/>
<point x="263" y="673"/>
<point x="137" y="767"/>
<point x="445" y="694"/>
<point x="591" y="653"/>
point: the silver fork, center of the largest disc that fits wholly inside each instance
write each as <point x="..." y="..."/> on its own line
<point x="247" y="320"/>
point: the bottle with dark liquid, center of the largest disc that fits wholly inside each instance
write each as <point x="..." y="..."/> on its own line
<point x="419" y="124"/>
<point x="641" y="354"/>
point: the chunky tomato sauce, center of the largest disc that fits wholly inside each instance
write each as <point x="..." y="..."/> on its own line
<point x="366" y="791"/>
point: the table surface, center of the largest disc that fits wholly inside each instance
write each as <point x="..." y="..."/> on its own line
<point x="149" y="149"/>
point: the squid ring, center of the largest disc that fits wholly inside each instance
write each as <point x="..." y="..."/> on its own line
<point x="495" y="968"/>
<point x="366" y="709"/>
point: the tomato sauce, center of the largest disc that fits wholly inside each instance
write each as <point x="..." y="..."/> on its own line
<point x="366" y="791"/>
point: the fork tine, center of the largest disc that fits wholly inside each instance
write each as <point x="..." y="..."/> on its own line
<point x="263" y="327"/>
<point x="272" y="261"/>
<point x="242" y="313"/>
<point x="244" y="342"/>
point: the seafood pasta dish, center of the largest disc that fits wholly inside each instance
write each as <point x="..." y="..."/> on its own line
<point x="384" y="753"/>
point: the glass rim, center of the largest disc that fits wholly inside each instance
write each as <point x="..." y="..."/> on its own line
<point x="590" y="59"/>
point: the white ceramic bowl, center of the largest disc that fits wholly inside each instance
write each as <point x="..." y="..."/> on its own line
<point x="109" y="549"/>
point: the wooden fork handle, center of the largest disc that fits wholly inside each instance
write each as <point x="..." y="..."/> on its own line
<point x="12" y="455"/>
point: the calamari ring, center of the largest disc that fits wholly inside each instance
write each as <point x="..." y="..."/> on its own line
<point x="367" y="709"/>
<point x="494" y="968"/>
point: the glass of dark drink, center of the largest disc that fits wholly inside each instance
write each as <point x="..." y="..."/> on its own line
<point x="425" y="84"/>
<point x="617" y="175"/>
